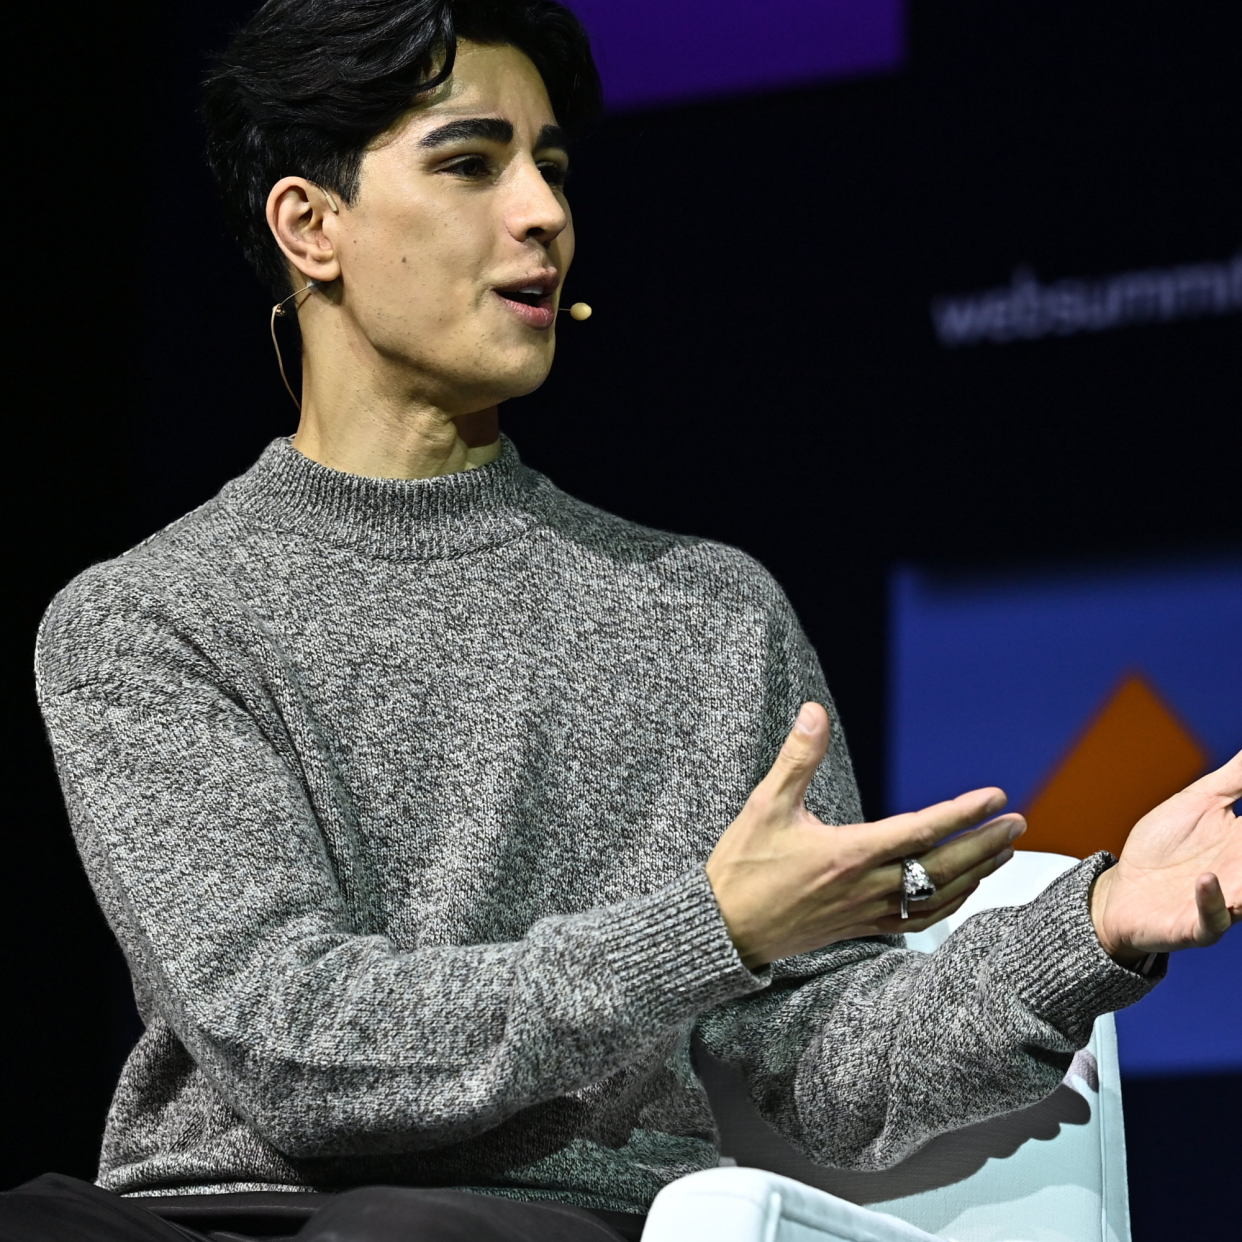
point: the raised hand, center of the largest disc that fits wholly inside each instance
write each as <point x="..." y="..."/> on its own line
<point x="1178" y="883"/>
<point x="787" y="883"/>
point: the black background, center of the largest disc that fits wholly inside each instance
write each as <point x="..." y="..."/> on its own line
<point x="761" y="369"/>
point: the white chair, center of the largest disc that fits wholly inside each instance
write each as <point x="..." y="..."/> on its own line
<point x="1054" y="1172"/>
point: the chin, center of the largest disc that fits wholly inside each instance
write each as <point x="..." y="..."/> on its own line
<point x="521" y="376"/>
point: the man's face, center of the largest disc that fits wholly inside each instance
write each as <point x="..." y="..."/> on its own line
<point x="455" y="248"/>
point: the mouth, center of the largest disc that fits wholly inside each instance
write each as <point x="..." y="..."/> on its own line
<point x="532" y="300"/>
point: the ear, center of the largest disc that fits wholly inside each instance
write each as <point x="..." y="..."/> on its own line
<point x="302" y="217"/>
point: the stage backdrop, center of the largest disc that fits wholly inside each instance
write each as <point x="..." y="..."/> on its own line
<point x="1089" y="696"/>
<point x="976" y="306"/>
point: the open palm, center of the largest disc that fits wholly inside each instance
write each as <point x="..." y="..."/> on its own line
<point x="1178" y="882"/>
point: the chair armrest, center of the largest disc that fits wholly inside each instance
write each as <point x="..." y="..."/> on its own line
<point x="751" y="1205"/>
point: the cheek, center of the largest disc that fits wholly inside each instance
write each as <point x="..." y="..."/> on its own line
<point x="417" y="265"/>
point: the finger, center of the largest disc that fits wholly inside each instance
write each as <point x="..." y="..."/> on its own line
<point x="787" y="779"/>
<point x="966" y="881"/>
<point x="917" y="832"/>
<point x="1214" y="917"/>
<point x="969" y="850"/>
<point x="967" y="858"/>
<point x="1225" y="782"/>
<point x="949" y="895"/>
<point x="894" y="925"/>
<point x="929" y="918"/>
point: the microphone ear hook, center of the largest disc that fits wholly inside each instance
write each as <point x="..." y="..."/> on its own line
<point x="278" y="312"/>
<point x="309" y="287"/>
<point x="579" y="311"/>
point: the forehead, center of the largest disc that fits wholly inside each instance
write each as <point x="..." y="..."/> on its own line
<point x="487" y="80"/>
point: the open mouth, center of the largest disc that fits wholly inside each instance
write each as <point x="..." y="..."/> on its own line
<point x="532" y="301"/>
<point x="528" y="297"/>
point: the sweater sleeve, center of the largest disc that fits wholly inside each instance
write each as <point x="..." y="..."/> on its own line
<point x="861" y="1052"/>
<point x="200" y="837"/>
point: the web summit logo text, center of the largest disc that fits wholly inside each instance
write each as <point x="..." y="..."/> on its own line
<point x="1025" y="309"/>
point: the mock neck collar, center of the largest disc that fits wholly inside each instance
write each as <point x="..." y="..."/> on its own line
<point x="449" y="515"/>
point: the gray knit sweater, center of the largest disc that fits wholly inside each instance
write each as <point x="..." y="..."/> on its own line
<point x="397" y="796"/>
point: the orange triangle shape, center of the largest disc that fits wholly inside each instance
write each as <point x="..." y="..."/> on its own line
<point x="1134" y="754"/>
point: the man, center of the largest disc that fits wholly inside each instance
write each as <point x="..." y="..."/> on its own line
<point x="434" y="810"/>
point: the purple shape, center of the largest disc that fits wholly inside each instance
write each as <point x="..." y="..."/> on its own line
<point x="662" y="51"/>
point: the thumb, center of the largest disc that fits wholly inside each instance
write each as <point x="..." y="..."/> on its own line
<point x="1214" y="917"/>
<point x="787" y="779"/>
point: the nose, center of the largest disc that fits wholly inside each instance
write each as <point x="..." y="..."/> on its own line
<point x="534" y="212"/>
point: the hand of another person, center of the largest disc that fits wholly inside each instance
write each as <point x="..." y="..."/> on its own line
<point x="787" y="883"/>
<point x="1178" y="883"/>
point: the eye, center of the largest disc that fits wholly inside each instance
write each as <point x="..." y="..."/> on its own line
<point x="553" y="173"/>
<point x="470" y="167"/>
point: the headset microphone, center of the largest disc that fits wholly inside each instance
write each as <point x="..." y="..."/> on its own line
<point x="579" y="311"/>
<point x="278" y="312"/>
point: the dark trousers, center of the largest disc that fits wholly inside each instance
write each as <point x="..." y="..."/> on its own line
<point x="54" y="1208"/>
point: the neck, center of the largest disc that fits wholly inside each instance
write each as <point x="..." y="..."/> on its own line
<point x="360" y="421"/>
<point x="422" y="444"/>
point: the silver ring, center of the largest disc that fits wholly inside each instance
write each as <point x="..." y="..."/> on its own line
<point x="916" y="884"/>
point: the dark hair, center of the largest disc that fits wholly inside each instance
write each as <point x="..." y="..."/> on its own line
<point x="305" y="85"/>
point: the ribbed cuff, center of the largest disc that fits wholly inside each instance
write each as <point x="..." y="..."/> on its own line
<point x="1054" y="960"/>
<point x="672" y="947"/>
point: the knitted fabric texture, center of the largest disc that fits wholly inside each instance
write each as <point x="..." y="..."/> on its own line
<point x="397" y="796"/>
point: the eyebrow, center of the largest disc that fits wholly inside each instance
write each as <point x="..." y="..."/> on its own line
<point x="552" y="136"/>
<point x="491" y="129"/>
